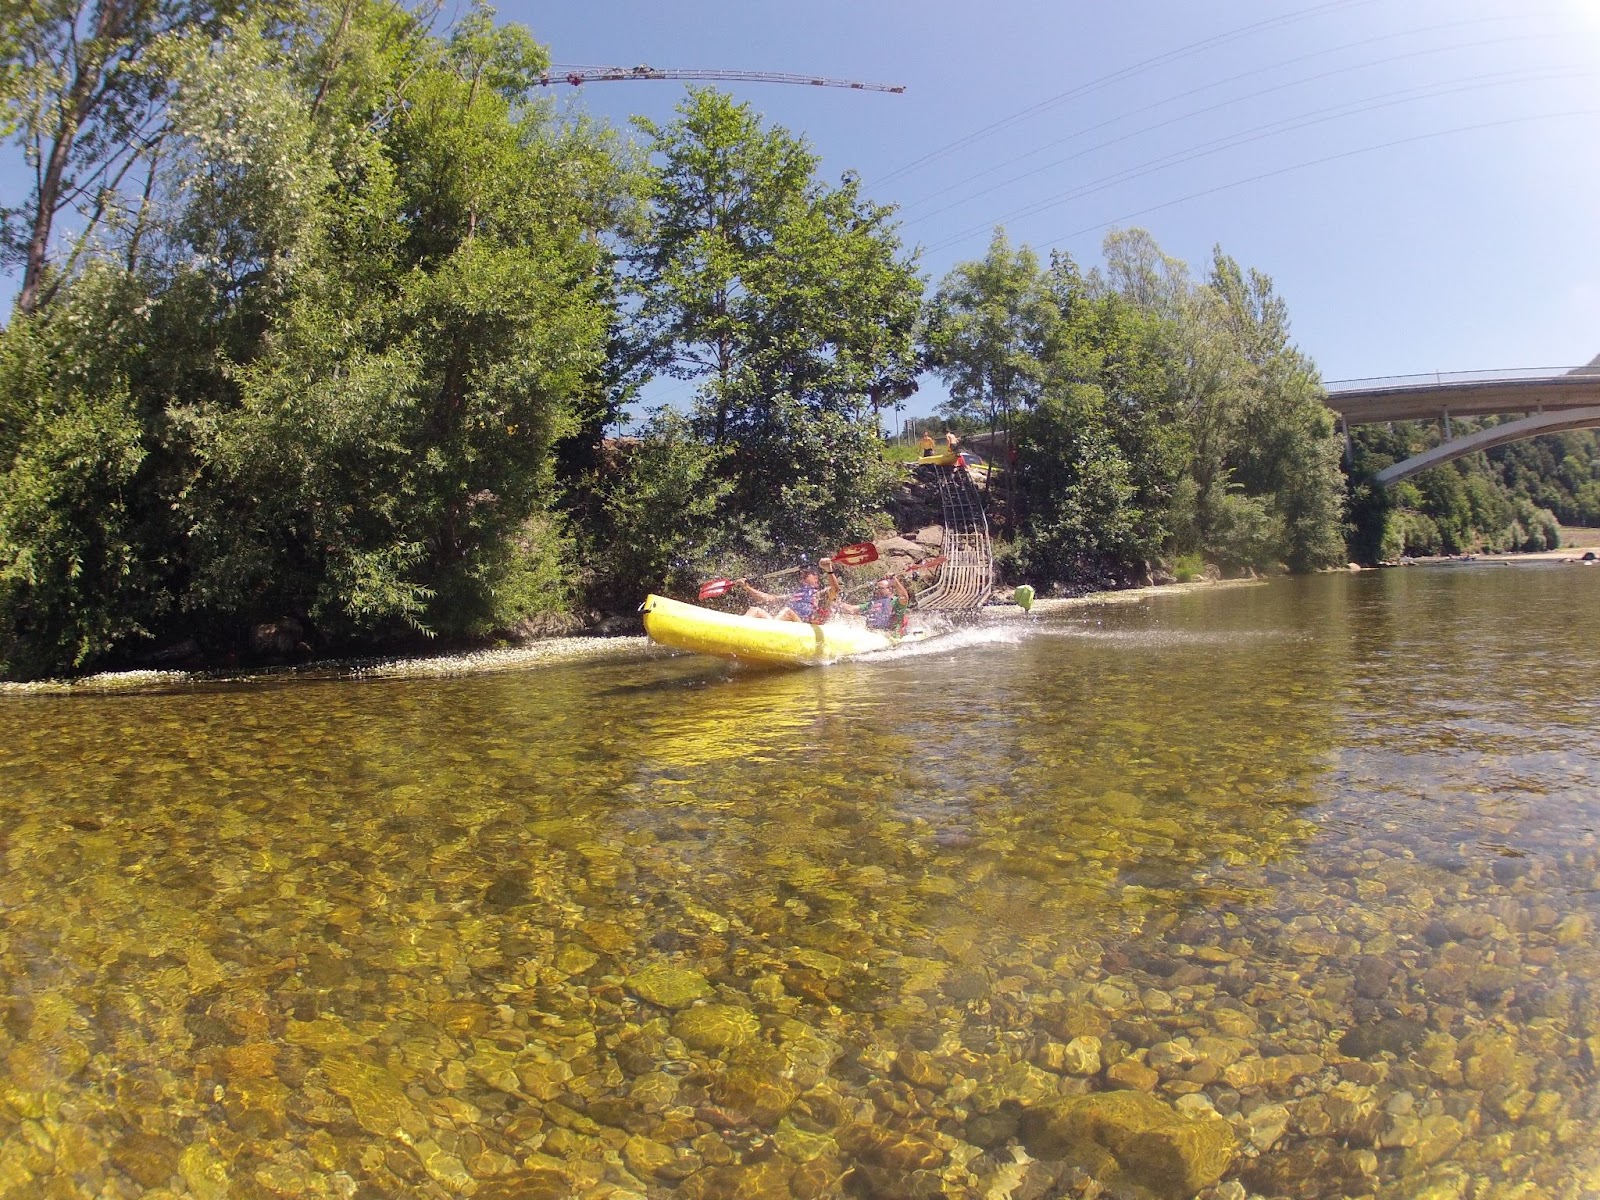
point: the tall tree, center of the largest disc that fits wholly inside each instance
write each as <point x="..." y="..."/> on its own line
<point x="1283" y="441"/>
<point x="444" y="303"/>
<point x="87" y="113"/>
<point x="791" y="305"/>
<point x="371" y="298"/>
<point x="988" y="326"/>
<point x="1102" y="449"/>
<point x="1265" y="486"/>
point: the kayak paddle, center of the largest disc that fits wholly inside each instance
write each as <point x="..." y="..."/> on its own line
<point x="854" y="555"/>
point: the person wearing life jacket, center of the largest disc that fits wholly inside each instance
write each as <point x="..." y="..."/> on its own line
<point x="808" y="602"/>
<point x="888" y="609"/>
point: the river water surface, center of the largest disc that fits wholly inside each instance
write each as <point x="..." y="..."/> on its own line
<point x="1282" y="890"/>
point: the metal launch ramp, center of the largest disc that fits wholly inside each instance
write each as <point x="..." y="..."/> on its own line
<point x="966" y="579"/>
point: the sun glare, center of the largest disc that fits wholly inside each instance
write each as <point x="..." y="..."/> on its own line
<point x="1587" y="12"/>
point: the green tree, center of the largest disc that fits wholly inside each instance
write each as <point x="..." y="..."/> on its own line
<point x="1283" y="445"/>
<point x="652" y="511"/>
<point x="391" y="440"/>
<point x="1265" y="486"/>
<point x="791" y="305"/>
<point x="370" y="295"/>
<point x="81" y="538"/>
<point x="88" y="111"/>
<point x="1510" y="498"/>
<point x="987" y="329"/>
<point x="1100" y="452"/>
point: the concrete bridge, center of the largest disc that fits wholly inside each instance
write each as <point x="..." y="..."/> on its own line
<point x="1552" y="399"/>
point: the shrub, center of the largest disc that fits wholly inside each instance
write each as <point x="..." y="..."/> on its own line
<point x="1189" y="567"/>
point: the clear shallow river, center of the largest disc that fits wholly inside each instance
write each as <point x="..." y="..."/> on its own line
<point x="1286" y="890"/>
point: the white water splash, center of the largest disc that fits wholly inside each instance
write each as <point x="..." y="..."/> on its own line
<point x="949" y="641"/>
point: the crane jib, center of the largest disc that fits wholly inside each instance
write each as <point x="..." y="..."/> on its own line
<point x="579" y="75"/>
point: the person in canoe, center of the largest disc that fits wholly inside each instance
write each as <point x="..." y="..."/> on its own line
<point x="808" y="602"/>
<point x="888" y="609"/>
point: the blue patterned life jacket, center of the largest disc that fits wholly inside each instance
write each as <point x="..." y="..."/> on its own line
<point x="804" y="603"/>
<point x="886" y="613"/>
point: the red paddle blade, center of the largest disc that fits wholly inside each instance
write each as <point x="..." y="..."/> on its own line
<point x="857" y="554"/>
<point x="712" y="588"/>
<point x="927" y="564"/>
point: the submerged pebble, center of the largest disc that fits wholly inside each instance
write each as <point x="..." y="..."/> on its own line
<point x="649" y="930"/>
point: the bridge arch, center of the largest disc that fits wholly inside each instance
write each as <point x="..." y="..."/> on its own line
<point x="1555" y="402"/>
<point x="1495" y="435"/>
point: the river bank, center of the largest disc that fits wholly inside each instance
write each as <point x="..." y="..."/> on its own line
<point x="599" y="647"/>
<point x="544" y="651"/>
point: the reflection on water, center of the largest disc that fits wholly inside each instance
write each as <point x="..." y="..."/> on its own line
<point x="1286" y="890"/>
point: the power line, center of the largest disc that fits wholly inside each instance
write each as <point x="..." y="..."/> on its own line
<point x="576" y="76"/>
<point x="1220" y="105"/>
<point x="1231" y="141"/>
<point x="1126" y="72"/>
<point x="1317" y="162"/>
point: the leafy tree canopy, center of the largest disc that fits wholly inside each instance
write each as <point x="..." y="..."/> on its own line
<point x="789" y="302"/>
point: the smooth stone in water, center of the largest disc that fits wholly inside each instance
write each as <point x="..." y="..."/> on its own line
<point x="1152" y="1143"/>
<point x="669" y="987"/>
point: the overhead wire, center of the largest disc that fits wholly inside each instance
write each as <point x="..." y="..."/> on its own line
<point x="1254" y="134"/>
<point x="1192" y="113"/>
<point x="1301" y="166"/>
<point x="1137" y="68"/>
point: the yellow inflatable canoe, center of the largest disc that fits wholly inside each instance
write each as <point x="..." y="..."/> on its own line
<point x="755" y="639"/>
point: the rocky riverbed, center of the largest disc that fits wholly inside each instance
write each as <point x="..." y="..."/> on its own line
<point x="1412" y="1030"/>
<point x="1226" y="909"/>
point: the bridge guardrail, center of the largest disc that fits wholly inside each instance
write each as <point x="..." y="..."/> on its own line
<point x="1334" y="386"/>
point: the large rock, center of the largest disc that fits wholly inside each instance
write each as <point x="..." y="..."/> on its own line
<point x="669" y="987"/>
<point x="278" y="639"/>
<point x="1135" y="1136"/>
<point x="891" y="546"/>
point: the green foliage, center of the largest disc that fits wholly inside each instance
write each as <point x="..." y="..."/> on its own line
<point x="789" y="302"/>
<point x="1246" y="531"/>
<point x="85" y="95"/>
<point x="1187" y="568"/>
<point x="1265" y="459"/>
<point x="1511" y="498"/>
<point x="1559" y="472"/>
<point x="1153" y="415"/>
<point x="649" y="515"/>
<point x="79" y="561"/>
<point x="368" y="298"/>
<point x="530" y="575"/>
<point x="391" y="441"/>
<point x="1100" y="452"/>
<point x="987" y="328"/>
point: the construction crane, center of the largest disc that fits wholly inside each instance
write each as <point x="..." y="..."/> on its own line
<point x="577" y="76"/>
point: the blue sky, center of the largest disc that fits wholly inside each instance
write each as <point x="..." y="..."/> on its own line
<point x="1421" y="178"/>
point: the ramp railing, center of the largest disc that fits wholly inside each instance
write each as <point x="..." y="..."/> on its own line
<point x="967" y="577"/>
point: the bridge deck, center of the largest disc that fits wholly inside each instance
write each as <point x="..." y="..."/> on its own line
<point x="1413" y="402"/>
